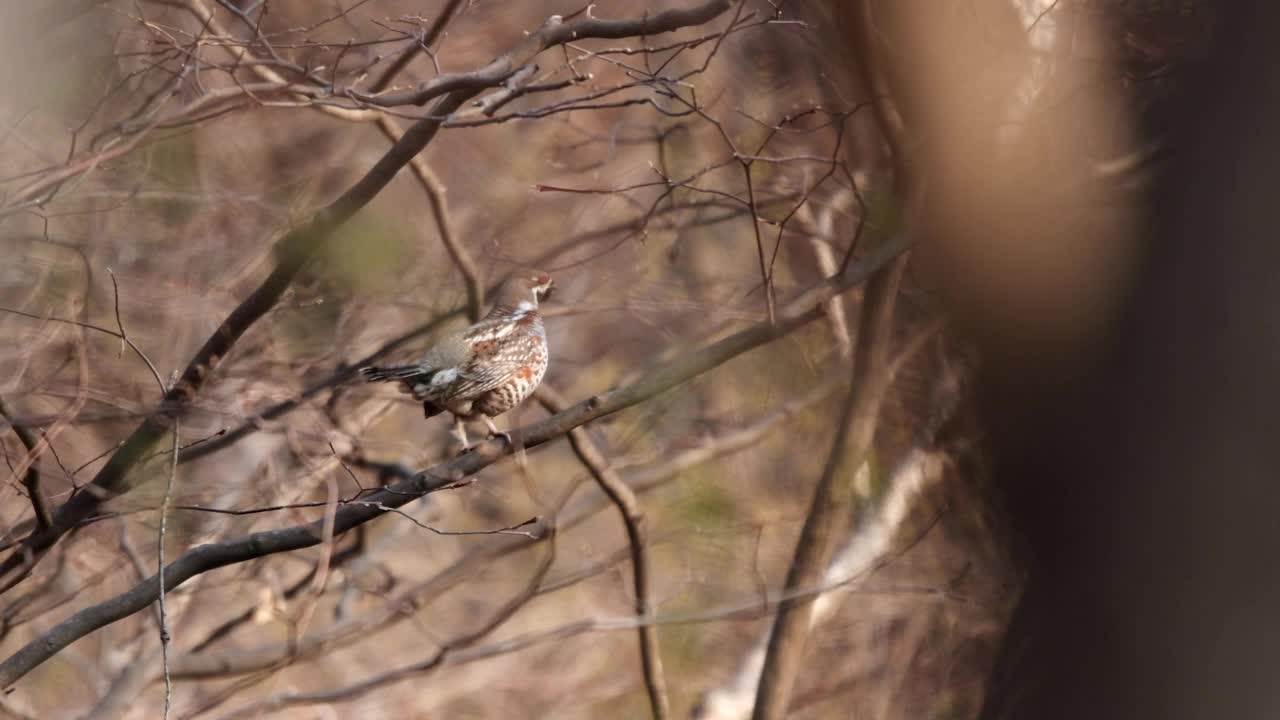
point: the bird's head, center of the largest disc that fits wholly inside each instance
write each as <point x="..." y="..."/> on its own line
<point x="526" y="289"/>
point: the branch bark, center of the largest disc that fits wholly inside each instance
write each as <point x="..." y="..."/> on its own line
<point x="803" y="310"/>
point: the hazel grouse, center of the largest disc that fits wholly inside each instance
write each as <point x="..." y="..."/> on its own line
<point x="486" y="369"/>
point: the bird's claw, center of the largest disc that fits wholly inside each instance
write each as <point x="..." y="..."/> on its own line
<point x="504" y="436"/>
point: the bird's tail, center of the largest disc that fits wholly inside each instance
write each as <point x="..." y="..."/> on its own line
<point x="414" y="380"/>
<point x="389" y="374"/>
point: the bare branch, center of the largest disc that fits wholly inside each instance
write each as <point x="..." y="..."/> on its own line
<point x="854" y="434"/>
<point x="642" y="478"/>
<point x="872" y="374"/>
<point x="440" y="656"/>
<point x="31" y="480"/>
<point x="868" y="547"/>
<point x="428" y="39"/>
<point x="632" y="515"/>
<point x="800" y="312"/>
<point x="460" y="655"/>
<point x="298" y="246"/>
<point x="512" y="87"/>
<point x="294" y="249"/>
<point x="554" y="32"/>
<point x="160" y="537"/>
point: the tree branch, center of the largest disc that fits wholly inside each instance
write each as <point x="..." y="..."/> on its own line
<point x="628" y="506"/>
<point x="31" y="480"/>
<point x="294" y="250"/>
<point x="439" y="657"/>
<point x="803" y="310"/>
<point x="854" y="435"/>
<point x="197" y="664"/>
<point x="428" y="39"/>
<point x="298" y="246"/>
<point x="868" y="545"/>
<point x="554" y="32"/>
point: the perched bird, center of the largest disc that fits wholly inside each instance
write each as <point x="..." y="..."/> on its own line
<point x="486" y="369"/>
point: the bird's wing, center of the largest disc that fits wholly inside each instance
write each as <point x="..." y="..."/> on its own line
<point x="456" y="350"/>
<point x="450" y="351"/>
<point x="489" y="329"/>
<point x="494" y="362"/>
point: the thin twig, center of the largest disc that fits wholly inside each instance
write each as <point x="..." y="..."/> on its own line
<point x="457" y="654"/>
<point x="321" y="577"/>
<point x="164" y="616"/>
<point x="766" y="276"/>
<point x="90" y="326"/>
<point x="428" y="39"/>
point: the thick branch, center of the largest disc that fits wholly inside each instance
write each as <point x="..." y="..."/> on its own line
<point x="869" y="541"/>
<point x="852" y="442"/>
<point x="553" y="32"/>
<point x="212" y="556"/>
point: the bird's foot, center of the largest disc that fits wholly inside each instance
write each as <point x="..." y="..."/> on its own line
<point x="505" y="436"/>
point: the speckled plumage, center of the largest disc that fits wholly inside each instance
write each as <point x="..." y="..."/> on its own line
<point x="486" y="369"/>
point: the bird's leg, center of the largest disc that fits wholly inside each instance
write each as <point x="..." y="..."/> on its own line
<point x="460" y="432"/>
<point x="495" y="432"/>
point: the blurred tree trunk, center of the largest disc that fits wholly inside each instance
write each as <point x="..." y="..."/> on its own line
<point x="1146" y="486"/>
